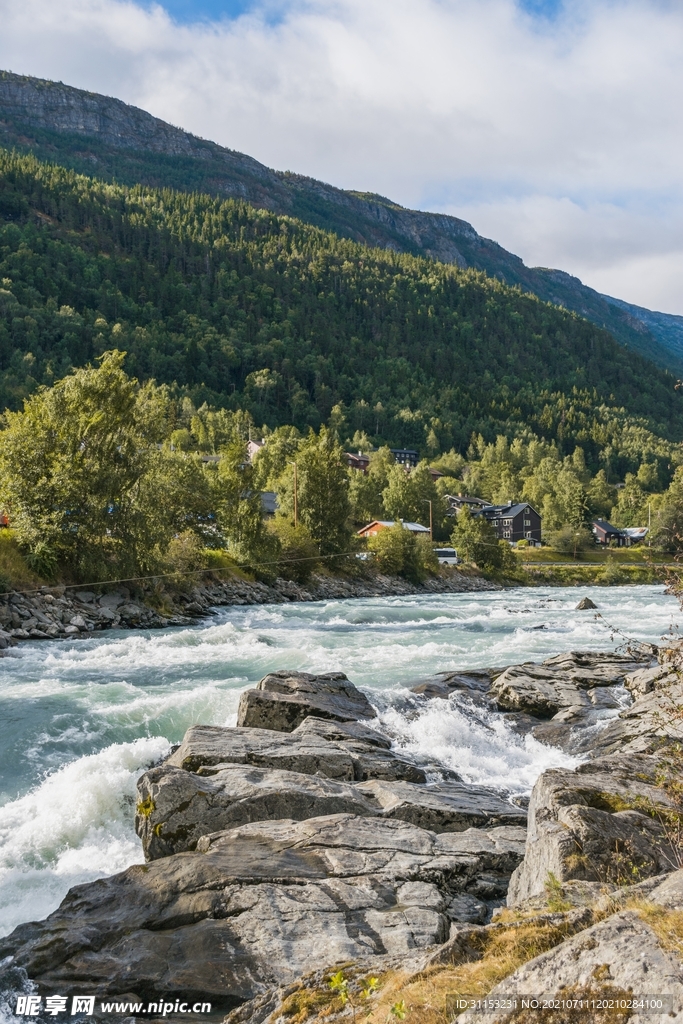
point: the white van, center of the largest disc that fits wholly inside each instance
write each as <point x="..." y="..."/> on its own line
<point x="447" y="556"/>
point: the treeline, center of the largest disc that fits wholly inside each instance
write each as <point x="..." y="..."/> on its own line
<point x="104" y="477"/>
<point x="245" y="310"/>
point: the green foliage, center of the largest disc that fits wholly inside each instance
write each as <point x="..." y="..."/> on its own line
<point x="398" y="552"/>
<point x="572" y="540"/>
<point x="297" y="557"/>
<point x="366" y="491"/>
<point x="322" y="492"/>
<point x="475" y="540"/>
<point x="407" y="495"/>
<point x="185" y="554"/>
<point x="248" y="310"/>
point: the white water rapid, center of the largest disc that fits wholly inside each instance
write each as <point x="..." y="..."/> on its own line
<point x="80" y="720"/>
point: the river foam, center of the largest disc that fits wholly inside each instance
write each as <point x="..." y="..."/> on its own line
<point x="80" y="720"/>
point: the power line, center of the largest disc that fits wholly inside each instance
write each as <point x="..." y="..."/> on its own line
<point x="177" y="572"/>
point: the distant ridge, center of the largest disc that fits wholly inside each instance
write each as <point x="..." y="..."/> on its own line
<point x="100" y="135"/>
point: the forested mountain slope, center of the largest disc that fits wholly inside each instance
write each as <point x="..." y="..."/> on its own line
<point x="244" y="308"/>
<point x="99" y="135"/>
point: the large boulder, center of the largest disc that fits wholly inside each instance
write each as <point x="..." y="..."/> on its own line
<point x="282" y="700"/>
<point x="616" y="959"/>
<point x="347" y="751"/>
<point x="600" y="822"/>
<point x="256" y="906"/>
<point x="175" y="807"/>
<point x="652" y="722"/>
<point x="566" y="682"/>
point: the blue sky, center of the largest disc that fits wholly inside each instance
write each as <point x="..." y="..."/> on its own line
<point x="188" y="11"/>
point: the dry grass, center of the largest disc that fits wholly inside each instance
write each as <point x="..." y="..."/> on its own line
<point x="425" y="995"/>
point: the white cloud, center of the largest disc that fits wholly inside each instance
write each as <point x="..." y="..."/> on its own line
<point x="562" y="140"/>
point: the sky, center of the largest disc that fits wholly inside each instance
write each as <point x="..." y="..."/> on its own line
<point x="554" y="126"/>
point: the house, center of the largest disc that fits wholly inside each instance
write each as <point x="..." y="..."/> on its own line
<point x="357" y="461"/>
<point x="608" y="535"/>
<point x="513" y="521"/>
<point x="612" y="536"/>
<point x="456" y="502"/>
<point x="376" y="525"/>
<point x="435" y="474"/>
<point x="407" y="457"/>
<point x="252" y="448"/>
<point x="635" y="534"/>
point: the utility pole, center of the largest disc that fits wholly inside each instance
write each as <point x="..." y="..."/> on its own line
<point x="431" y="521"/>
<point x="296" y="497"/>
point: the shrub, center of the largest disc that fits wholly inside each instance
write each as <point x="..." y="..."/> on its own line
<point x="298" y="555"/>
<point x="398" y="552"/>
<point x="572" y="540"/>
<point x="185" y="554"/>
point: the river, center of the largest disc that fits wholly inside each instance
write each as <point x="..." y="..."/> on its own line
<point x="80" y="720"/>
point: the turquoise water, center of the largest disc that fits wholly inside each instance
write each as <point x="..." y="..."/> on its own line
<point x="80" y="720"/>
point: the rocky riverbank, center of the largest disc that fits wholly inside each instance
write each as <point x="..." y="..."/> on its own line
<point x="303" y="840"/>
<point x="66" y="612"/>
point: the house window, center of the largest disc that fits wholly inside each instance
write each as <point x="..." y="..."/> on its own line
<point x="506" y="533"/>
<point x="528" y="535"/>
<point x="527" y="522"/>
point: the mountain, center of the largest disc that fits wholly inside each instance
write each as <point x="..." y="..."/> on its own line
<point x="95" y="134"/>
<point x="250" y="310"/>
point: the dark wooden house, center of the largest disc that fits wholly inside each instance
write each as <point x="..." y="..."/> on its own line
<point x="514" y="522"/>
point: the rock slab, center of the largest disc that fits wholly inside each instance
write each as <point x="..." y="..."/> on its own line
<point x="282" y="700"/>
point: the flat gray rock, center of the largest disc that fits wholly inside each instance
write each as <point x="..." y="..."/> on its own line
<point x="613" y="959"/>
<point x="669" y="893"/>
<point x="566" y="681"/>
<point x="257" y="906"/>
<point x="597" y="823"/>
<point x="444" y="806"/>
<point x="176" y="808"/>
<point x="649" y="724"/>
<point x="354" y="756"/>
<point x="282" y="700"/>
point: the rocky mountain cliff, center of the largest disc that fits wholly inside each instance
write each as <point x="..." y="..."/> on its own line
<point x="100" y="135"/>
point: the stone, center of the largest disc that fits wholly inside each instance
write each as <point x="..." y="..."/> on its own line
<point x="597" y="823"/>
<point x="206" y="749"/>
<point x="131" y="612"/>
<point x="175" y="807"/>
<point x="283" y="699"/>
<point x="669" y="893"/>
<point x="443" y="684"/>
<point x="561" y="682"/>
<point x="616" y="958"/>
<point x="650" y="723"/>
<point x="257" y="906"/>
<point x="584" y="604"/>
<point x="78" y="620"/>
<point x="444" y="806"/>
<point x="536" y="690"/>
<point x="645" y="680"/>
<point x="71" y="630"/>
